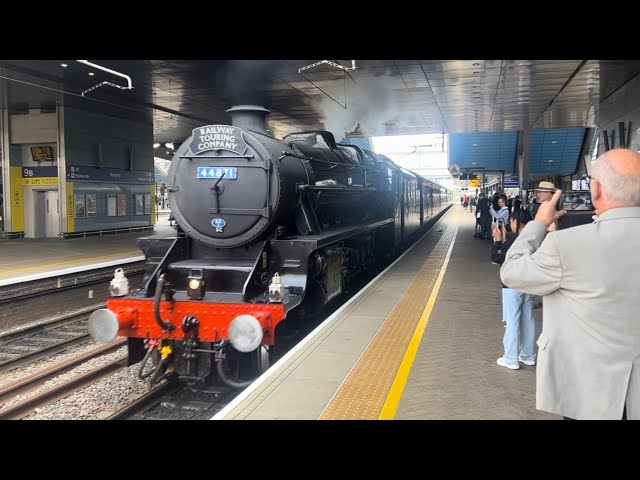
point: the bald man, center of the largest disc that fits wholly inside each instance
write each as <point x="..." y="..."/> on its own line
<point x="589" y="276"/>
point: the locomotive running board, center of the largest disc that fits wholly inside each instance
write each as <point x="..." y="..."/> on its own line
<point x="332" y="235"/>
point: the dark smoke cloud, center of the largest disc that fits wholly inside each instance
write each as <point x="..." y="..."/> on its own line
<point x="243" y="81"/>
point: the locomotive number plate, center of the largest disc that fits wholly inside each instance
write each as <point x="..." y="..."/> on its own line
<point x="230" y="173"/>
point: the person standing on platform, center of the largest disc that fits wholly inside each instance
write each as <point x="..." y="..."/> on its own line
<point x="517" y="308"/>
<point x="589" y="276"/>
<point x="517" y="203"/>
<point x="485" y="216"/>
<point x="543" y="194"/>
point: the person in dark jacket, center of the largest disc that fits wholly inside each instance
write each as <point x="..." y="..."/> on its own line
<point x="517" y="307"/>
<point x="485" y="217"/>
<point x="517" y="203"/>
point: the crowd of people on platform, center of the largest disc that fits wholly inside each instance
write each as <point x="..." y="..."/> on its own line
<point x="587" y="361"/>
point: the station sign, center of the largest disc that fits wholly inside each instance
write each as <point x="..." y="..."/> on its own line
<point x="475" y="183"/>
<point x="40" y="181"/>
<point x="76" y="173"/>
<point x="511" y="182"/>
<point x="468" y="176"/>
<point x="39" y="172"/>
<point x="39" y="176"/>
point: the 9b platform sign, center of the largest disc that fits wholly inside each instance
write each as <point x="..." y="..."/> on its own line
<point x="475" y="183"/>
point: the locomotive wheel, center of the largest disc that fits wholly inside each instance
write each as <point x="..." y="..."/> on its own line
<point x="240" y="366"/>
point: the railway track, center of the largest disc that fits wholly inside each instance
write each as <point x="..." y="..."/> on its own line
<point x="173" y="401"/>
<point x="44" y="339"/>
<point x="169" y="400"/>
<point x="29" y="405"/>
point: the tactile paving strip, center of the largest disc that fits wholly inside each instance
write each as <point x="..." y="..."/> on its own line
<point x="363" y="393"/>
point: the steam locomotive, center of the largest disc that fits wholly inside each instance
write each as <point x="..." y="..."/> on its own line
<point x="268" y="232"/>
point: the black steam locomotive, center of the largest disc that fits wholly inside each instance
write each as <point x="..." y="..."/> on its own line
<point x="268" y="232"/>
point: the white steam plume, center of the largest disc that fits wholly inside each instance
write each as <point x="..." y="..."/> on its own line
<point x="369" y="103"/>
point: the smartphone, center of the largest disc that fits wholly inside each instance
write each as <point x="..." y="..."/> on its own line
<point x="500" y="224"/>
<point x="563" y="202"/>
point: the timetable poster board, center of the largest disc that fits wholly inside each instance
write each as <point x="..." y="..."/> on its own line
<point x="79" y="210"/>
<point x="147" y="204"/>
<point x="122" y="204"/>
<point x="139" y="203"/>
<point x="42" y="154"/>
<point x="92" y="205"/>
<point x="112" y="210"/>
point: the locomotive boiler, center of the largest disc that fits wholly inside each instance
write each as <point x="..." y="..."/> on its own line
<point x="268" y="232"/>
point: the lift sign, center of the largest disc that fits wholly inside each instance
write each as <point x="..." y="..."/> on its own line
<point x="230" y="173"/>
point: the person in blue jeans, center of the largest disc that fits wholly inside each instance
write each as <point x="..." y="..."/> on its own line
<point x="517" y="307"/>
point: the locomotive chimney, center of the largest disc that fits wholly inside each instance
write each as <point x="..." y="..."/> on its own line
<point x="249" y="117"/>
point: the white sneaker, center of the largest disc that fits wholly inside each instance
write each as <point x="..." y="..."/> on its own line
<point x="526" y="362"/>
<point x="502" y="363"/>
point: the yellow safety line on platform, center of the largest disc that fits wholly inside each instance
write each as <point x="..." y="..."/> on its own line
<point x="128" y="254"/>
<point x="397" y="388"/>
<point x="363" y="393"/>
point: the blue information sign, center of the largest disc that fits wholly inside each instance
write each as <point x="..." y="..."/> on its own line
<point x="230" y="173"/>
<point x="39" y="172"/>
<point x="511" y="182"/>
<point x="77" y="173"/>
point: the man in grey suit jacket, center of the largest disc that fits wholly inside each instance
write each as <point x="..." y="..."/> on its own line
<point x="589" y="276"/>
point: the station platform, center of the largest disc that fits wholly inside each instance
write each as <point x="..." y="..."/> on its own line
<point x="419" y="342"/>
<point x="26" y="259"/>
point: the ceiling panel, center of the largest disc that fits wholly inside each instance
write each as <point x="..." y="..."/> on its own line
<point x="493" y="151"/>
<point x="556" y="151"/>
<point x="383" y="96"/>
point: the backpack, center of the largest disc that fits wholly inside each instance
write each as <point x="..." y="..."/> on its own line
<point x="499" y="252"/>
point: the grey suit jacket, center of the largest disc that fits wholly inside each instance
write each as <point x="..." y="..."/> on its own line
<point x="589" y="348"/>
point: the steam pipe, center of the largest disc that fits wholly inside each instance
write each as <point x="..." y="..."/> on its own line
<point x="155" y="378"/>
<point x="226" y="380"/>
<point x="156" y="305"/>
<point x="141" y="374"/>
<point x="223" y="376"/>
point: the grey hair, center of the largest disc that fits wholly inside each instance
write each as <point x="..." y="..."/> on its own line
<point x="622" y="190"/>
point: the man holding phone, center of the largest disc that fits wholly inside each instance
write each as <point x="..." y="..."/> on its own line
<point x="589" y="275"/>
